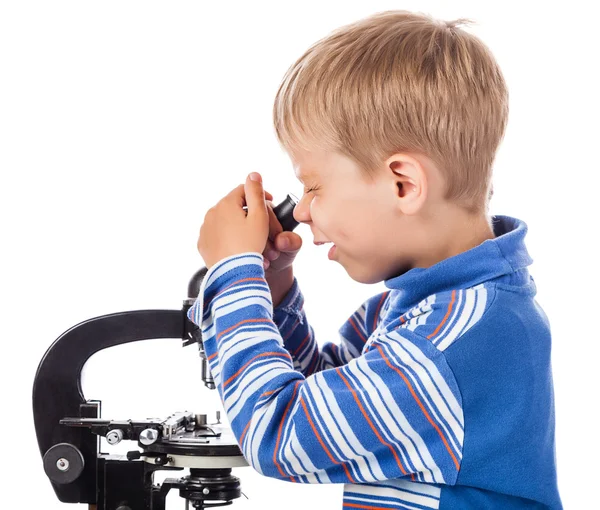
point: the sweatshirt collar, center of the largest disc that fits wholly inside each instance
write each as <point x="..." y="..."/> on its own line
<point x="504" y="254"/>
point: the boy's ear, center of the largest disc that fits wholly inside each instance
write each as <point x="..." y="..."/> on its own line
<point x="410" y="182"/>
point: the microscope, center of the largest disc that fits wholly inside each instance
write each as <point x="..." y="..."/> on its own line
<point x="68" y="427"/>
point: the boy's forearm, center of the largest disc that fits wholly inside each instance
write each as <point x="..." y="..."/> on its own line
<point x="281" y="285"/>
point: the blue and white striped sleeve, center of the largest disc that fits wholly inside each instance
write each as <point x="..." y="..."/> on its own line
<point x="393" y="412"/>
<point x="299" y="336"/>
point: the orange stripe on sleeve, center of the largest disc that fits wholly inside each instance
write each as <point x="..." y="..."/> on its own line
<point x="239" y="324"/>
<point x="244" y="433"/>
<point x="287" y="408"/>
<point x="317" y="435"/>
<point x="384" y="295"/>
<point x="446" y="316"/>
<point x="299" y="348"/>
<point x="274" y="354"/>
<point x="373" y="428"/>
<point x="412" y="391"/>
<point x="368" y="507"/>
<point x="241" y="281"/>
<point x="250" y="421"/>
<point x="358" y="332"/>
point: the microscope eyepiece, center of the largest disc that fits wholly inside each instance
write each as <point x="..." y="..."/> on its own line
<point x="284" y="213"/>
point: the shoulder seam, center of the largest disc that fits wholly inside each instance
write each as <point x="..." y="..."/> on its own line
<point x="492" y="287"/>
<point x="489" y="307"/>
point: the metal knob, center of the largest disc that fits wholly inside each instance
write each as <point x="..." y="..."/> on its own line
<point x="62" y="464"/>
<point x="200" y="420"/>
<point x="148" y="436"/>
<point x="114" y="436"/>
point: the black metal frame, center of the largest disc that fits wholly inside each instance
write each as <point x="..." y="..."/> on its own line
<point x="105" y="480"/>
<point x="57" y="390"/>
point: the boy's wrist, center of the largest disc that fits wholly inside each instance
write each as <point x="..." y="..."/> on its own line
<point x="280" y="284"/>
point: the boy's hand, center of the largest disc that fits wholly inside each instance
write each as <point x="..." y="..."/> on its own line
<point x="277" y="255"/>
<point x="229" y="230"/>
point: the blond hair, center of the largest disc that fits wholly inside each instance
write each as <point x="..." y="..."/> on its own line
<point x="394" y="82"/>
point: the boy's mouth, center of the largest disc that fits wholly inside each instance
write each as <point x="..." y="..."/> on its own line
<point x="331" y="250"/>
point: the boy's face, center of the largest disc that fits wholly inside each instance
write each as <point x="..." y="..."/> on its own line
<point x="360" y="216"/>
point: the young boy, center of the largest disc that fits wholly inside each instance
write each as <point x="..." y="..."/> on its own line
<point x="439" y="394"/>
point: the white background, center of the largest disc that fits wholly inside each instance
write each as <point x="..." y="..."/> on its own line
<point x="121" y="123"/>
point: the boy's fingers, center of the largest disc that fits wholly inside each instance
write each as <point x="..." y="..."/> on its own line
<point x="275" y="227"/>
<point x="270" y="252"/>
<point x="288" y="241"/>
<point x="255" y="195"/>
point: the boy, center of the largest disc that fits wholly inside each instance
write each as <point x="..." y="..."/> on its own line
<point x="440" y="393"/>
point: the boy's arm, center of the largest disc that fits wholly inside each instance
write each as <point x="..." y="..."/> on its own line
<point x="393" y="412"/>
<point x="299" y="337"/>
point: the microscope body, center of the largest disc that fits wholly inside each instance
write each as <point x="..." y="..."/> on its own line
<point x="68" y="426"/>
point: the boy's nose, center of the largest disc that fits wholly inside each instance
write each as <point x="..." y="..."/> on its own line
<point x="302" y="210"/>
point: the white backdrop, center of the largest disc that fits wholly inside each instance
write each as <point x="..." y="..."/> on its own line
<point x="121" y="123"/>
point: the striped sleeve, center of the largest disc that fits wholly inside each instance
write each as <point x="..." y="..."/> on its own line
<point x="392" y="412"/>
<point x="299" y="337"/>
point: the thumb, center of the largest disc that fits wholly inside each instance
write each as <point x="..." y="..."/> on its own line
<point x="288" y="241"/>
<point x="255" y="195"/>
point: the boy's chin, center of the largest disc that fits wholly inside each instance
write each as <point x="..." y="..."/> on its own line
<point x="363" y="275"/>
<point x="373" y="275"/>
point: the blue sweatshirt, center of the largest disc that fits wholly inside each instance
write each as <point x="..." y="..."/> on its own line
<point x="438" y="395"/>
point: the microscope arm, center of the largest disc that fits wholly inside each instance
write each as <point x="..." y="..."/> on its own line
<point x="71" y="452"/>
<point x="57" y="391"/>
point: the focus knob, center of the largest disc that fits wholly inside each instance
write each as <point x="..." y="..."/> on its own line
<point x="148" y="436"/>
<point x="63" y="463"/>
